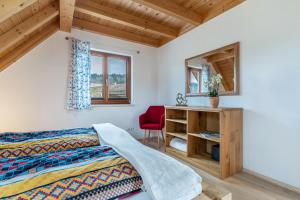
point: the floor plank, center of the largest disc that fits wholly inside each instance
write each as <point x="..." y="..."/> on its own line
<point x="243" y="186"/>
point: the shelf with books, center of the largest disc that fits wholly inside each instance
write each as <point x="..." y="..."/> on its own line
<point x="206" y="137"/>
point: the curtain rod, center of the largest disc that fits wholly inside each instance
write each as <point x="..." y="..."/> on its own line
<point x="138" y="52"/>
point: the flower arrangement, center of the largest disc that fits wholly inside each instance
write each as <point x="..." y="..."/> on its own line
<point x="214" y="84"/>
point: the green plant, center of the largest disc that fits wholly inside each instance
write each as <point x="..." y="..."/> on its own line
<point x="214" y="84"/>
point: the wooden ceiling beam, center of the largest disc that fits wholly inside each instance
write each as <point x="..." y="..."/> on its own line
<point x="25" y="47"/>
<point x="66" y="12"/>
<point x="214" y="11"/>
<point x="220" y="56"/>
<point x="173" y="9"/>
<point x="19" y="32"/>
<point x="220" y="8"/>
<point x="97" y="10"/>
<point x="10" y="7"/>
<point x="113" y="32"/>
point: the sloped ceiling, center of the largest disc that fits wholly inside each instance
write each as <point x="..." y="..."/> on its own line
<point x="26" y="23"/>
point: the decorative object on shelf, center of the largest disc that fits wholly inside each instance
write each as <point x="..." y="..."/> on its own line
<point x="213" y="89"/>
<point x="181" y="100"/>
<point x="215" y="152"/>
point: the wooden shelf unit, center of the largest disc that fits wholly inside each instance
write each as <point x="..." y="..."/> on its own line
<point x="182" y="121"/>
<point x="187" y="122"/>
<point x="178" y="135"/>
<point x="217" y="140"/>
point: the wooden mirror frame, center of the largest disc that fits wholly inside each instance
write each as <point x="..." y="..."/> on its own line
<point x="236" y="90"/>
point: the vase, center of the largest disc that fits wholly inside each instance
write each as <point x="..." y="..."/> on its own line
<point x="214" y="101"/>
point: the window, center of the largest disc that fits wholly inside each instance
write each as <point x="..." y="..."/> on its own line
<point x="194" y="80"/>
<point x="197" y="78"/>
<point x="110" y="78"/>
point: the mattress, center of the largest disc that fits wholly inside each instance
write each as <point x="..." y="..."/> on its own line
<point x="66" y="164"/>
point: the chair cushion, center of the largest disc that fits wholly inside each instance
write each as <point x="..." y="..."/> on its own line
<point x="151" y="126"/>
<point x="154" y="114"/>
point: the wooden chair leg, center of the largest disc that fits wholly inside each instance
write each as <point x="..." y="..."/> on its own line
<point x="149" y="136"/>
<point x="162" y="134"/>
<point x="158" y="140"/>
<point x="145" y="136"/>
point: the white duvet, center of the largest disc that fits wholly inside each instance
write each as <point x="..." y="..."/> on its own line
<point x="164" y="178"/>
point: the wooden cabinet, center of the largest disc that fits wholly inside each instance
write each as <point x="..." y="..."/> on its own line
<point x="187" y="122"/>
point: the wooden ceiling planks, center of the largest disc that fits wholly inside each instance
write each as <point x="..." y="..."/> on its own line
<point x="181" y="15"/>
<point x="114" y="32"/>
<point x="11" y="7"/>
<point x="22" y="15"/>
<point x="112" y="14"/>
<point x="28" y="26"/>
<point x="149" y="22"/>
<point x="173" y="9"/>
<point x="111" y="24"/>
<point x="28" y="45"/>
<point x="219" y="8"/>
<point x="142" y="11"/>
<point x="26" y="29"/>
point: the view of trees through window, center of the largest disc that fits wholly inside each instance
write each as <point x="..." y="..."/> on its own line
<point x="97" y="77"/>
<point x="109" y="77"/>
<point x="116" y="78"/>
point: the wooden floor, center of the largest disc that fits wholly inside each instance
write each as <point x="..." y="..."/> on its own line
<point x="244" y="186"/>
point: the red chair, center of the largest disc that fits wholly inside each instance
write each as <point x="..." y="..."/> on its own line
<point x="153" y="119"/>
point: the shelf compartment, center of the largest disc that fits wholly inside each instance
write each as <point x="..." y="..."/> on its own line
<point x="199" y="148"/>
<point x="174" y="127"/>
<point x="178" y="135"/>
<point x="182" y="121"/>
<point x="200" y="121"/>
<point x="217" y="140"/>
<point x="176" y="114"/>
<point x="176" y="152"/>
<point x="203" y="162"/>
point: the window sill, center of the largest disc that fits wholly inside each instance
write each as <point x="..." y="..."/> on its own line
<point x="113" y="105"/>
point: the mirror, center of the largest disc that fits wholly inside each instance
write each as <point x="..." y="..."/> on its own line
<point x="223" y="61"/>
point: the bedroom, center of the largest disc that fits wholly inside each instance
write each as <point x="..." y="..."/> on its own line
<point x="35" y="62"/>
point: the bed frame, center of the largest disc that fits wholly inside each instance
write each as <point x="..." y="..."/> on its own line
<point x="211" y="192"/>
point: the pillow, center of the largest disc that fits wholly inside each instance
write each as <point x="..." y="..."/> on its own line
<point x="26" y="144"/>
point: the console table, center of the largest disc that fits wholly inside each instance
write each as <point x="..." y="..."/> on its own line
<point x="186" y="122"/>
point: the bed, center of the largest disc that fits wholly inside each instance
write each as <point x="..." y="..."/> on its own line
<point x="76" y="164"/>
<point x="66" y="164"/>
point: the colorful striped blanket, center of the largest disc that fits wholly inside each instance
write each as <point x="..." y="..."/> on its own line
<point x="20" y="137"/>
<point x="25" y="144"/>
<point x="87" y="172"/>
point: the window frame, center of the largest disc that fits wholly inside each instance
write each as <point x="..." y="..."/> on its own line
<point x="188" y="75"/>
<point x="106" y="100"/>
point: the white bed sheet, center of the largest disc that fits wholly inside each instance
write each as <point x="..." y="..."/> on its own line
<point x="140" y="196"/>
<point x="164" y="177"/>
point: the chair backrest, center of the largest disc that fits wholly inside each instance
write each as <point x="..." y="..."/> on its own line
<point x="154" y="114"/>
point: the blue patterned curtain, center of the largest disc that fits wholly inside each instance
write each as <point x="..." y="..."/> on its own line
<point x="79" y="76"/>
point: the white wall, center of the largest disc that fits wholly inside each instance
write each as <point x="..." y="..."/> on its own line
<point x="269" y="32"/>
<point x="33" y="90"/>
